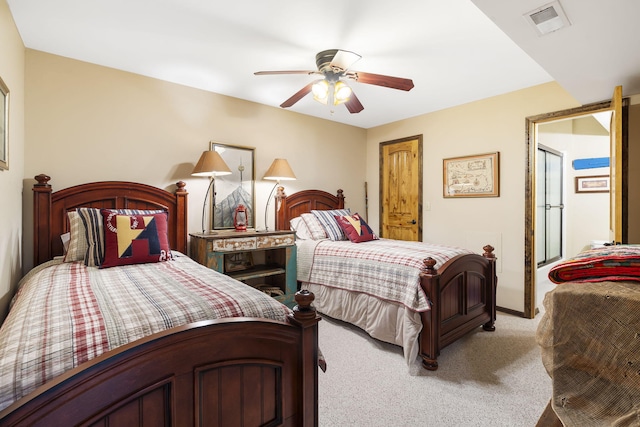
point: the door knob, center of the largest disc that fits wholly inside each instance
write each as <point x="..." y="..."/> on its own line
<point x="413" y="221"/>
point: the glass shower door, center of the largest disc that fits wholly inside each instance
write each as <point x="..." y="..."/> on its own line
<point x="549" y="206"/>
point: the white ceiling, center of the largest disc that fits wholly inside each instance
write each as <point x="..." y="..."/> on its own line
<point x="453" y="52"/>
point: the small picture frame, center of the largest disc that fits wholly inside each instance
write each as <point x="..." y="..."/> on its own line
<point x="593" y="184"/>
<point x="472" y="176"/>
<point x="4" y="125"/>
<point x="238" y="261"/>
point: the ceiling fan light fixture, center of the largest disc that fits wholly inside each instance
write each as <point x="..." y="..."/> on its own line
<point x="320" y="91"/>
<point x="342" y="93"/>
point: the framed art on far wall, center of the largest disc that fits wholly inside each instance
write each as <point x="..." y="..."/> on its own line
<point x="4" y="125"/>
<point x="236" y="188"/>
<point x="592" y="184"/>
<point x="472" y="176"/>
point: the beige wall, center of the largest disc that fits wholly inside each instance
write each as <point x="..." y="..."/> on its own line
<point x="493" y="124"/>
<point x="91" y="123"/>
<point x="12" y="73"/>
<point x="87" y="122"/>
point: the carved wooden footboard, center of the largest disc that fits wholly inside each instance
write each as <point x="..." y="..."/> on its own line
<point x="463" y="297"/>
<point x="236" y="371"/>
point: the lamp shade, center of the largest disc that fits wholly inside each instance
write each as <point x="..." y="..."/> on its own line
<point x="280" y="171"/>
<point x="211" y="164"/>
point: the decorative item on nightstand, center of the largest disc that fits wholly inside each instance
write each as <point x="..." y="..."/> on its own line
<point x="211" y="165"/>
<point x="279" y="170"/>
<point x="240" y="218"/>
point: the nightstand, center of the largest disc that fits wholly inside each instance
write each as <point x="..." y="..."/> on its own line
<point x="261" y="259"/>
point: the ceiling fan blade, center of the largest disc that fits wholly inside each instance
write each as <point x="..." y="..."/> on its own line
<point x="353" y="104"/>
<point x="344" y="59"/>
<point x="265" y="73"/>
<point x="297" y="96"/>
<point x="381" y="80"/>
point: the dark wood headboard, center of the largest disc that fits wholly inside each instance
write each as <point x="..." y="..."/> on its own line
<point x="288" y="207"/>
<point x="50" y="209"/>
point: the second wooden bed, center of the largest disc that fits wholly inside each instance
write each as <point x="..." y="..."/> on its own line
<point x="462" y="292"/>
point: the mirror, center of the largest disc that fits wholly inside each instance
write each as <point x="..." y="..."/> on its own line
<point x="237" y="188"/>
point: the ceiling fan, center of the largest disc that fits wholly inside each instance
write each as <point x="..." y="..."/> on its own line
<point x="334" y="64"/>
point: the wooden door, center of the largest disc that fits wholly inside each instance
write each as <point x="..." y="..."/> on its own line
<point x="615" y="168"/>
<point x="401" y="189"/>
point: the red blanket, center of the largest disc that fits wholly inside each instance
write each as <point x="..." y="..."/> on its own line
<point x="610" y="263"/>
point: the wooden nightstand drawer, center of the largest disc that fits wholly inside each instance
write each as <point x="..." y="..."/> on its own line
<point x="275" y="241"/>
<point x="233" y="244"/>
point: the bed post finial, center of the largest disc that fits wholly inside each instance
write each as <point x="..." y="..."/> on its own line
<point x="429" y="266"/>
<point x="181" y="187"/>
<point x="43" y="180"/>
<point x="303" y="309"/>
<point x="488" y="251"/>
<point x="340" y="196"/>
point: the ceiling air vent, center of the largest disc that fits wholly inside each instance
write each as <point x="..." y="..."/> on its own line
<point x="548" y="18"/>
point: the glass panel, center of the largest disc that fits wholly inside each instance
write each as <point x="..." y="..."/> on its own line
<point x="549" y="207"/>
<point x="554" y="179"/>
<point x="541" y="229"/>
<point x="554" y="243"/>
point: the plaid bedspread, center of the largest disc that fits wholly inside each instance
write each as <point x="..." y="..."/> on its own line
<point x="610" y="263"/>
<point x="66" y="314"/>
<point x="387" y="269"/>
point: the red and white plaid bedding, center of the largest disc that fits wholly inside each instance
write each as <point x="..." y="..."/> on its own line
<point x="65" y="313"/>
<point x="387" y="269"/>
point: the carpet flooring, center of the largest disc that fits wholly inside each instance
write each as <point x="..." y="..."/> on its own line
<point x="484" y="379"/>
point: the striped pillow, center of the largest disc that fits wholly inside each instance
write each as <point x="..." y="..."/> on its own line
<point x="94" y="231"/>
<point x="329" y="223"/>
<point x="77" y="240"/>
<point x="314" y="226"/>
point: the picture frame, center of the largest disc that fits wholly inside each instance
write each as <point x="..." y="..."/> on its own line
<point x="234" y="189"/>
<point x="4" y="126"/>
<point x="472" y="176"/>
<point x="593" y="184"/>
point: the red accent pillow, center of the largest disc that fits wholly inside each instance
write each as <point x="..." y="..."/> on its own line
<point x="134" y="239"/>
<point x="355" y="228"/>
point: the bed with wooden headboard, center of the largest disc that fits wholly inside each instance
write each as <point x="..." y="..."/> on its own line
<point x="462" y="292"/>
<point x="225" y="371"/>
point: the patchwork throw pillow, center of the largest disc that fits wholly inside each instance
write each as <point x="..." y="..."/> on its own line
<point x="329" y="223"/>
<point x="134" y="239"/>
<point x="356" y="229"/>
<point x="94" y="231"/>
<point x="313" y="225"/>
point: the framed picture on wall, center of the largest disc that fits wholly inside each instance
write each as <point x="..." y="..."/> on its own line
<point x="4" y="125"/>
<point x="592" y="184"/>
<point x="472" y="176"/>
<point x="236" y="188"/>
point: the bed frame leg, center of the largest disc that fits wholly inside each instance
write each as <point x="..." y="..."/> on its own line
<point x="489" y="326"/>
<point x="429" y="364"/>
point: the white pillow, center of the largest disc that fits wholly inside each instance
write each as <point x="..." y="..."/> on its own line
<point x="66" y="237"/>
<point x="301" y="229"/>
